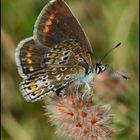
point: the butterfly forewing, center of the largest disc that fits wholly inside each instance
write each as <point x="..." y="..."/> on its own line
<point x="56" y="23"/>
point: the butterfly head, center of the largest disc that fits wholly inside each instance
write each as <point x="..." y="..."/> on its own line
<point x="100" y="68"/>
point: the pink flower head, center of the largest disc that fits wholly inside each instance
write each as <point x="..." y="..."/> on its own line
<point x="78" y="118"/>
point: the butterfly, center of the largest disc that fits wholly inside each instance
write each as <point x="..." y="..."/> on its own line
<point x="57" y="55"/>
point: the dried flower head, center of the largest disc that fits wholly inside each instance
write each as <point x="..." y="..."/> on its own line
<point x="78" y="118"/>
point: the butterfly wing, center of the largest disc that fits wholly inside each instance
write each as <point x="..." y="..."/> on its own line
<point x="29" y="57"/>
<point x="48" y="81"/>
<point x="59" y="43"/>
<point x="51" y="79"/>
<point x="61" y="66"/>
<point x="69" y="53"/>
<point x="56" y="23"/>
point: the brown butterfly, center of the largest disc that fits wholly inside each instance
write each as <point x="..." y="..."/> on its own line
<point x="57" y="54"/>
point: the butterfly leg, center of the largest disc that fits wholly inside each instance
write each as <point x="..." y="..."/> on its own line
<point x="86" y="90"/>
<point x="77" y="91"/>
<point x="62" y="93"/>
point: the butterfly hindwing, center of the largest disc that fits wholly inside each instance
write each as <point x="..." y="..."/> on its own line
<point x="52" y="80"/>
<point x="64" y="65"/>
<point x="56" y="23"/>
<point x="29" y="57"/>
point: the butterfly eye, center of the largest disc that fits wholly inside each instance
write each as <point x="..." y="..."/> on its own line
<point x="98" y="70"/>
<point x="102" y="68"/>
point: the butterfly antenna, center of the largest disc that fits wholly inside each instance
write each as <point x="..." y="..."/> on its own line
<point x="110" y="50"/>
<point x="123" y="76"/>
<point x="120" y="74"/>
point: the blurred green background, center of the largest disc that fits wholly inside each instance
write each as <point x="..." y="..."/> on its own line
<point x="106" y="23"/>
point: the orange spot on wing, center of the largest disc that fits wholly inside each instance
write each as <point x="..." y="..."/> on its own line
<point x="46" y="29"/>
<point x="56" y="50"/>
<point x="37" y="92"/>
<point x="31" y="68"/>
<point x="52" y="16"/>
<point x="28" y="55"/>
<point x="33" y="88"/>
<point x="53" y="54"/>
<point x="61" y="46"/>
<point x="30" y="48"/>
<point x="49" y="22"/>
<point x="29" y="61"/>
